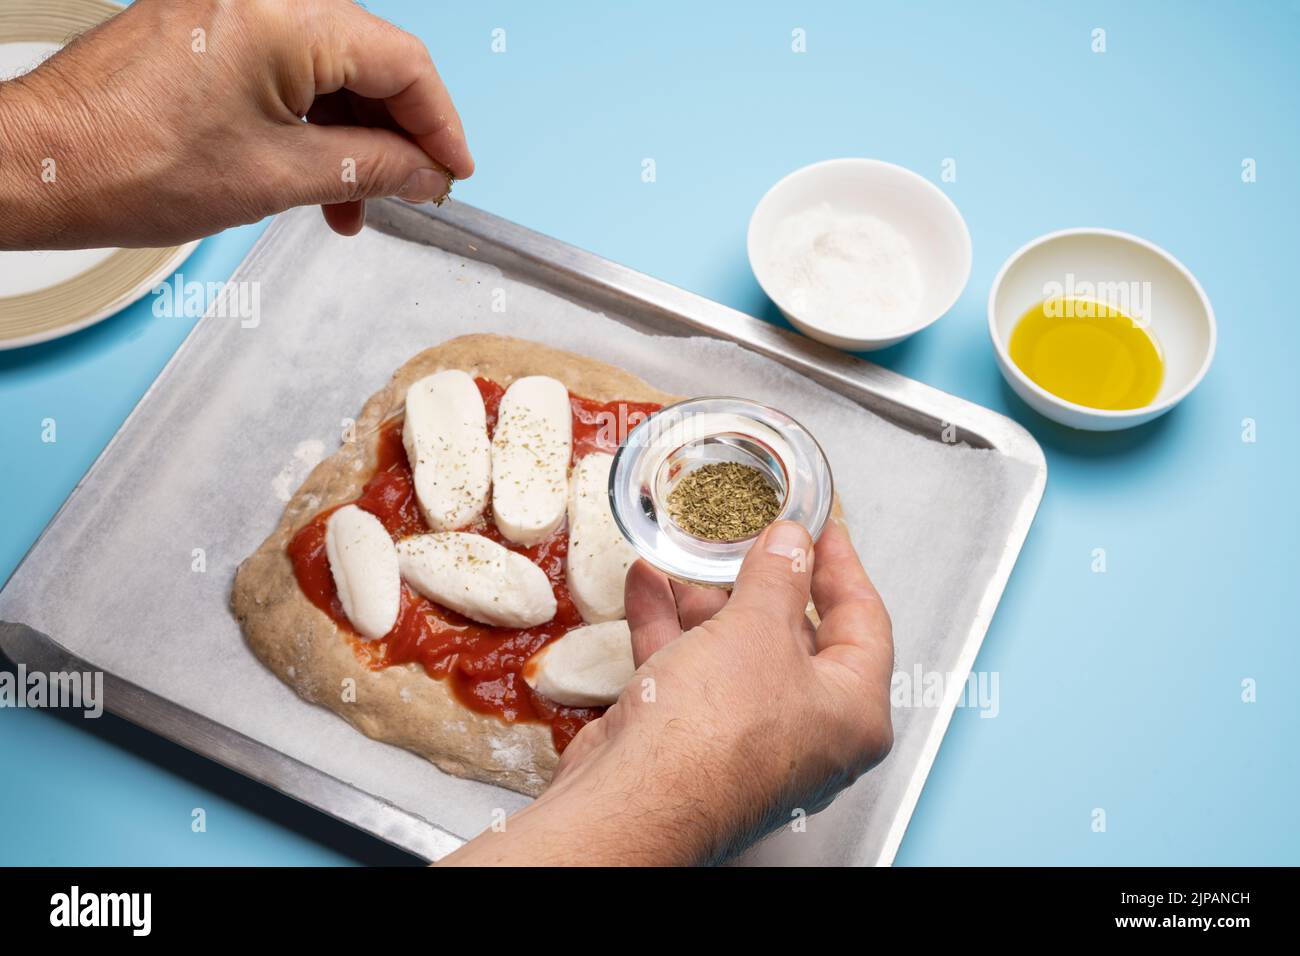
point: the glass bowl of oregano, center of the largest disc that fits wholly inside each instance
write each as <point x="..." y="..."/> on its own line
<point x="694" y="484"/>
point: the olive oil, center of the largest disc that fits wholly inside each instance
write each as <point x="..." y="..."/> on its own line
<point x="1088" y="353"/>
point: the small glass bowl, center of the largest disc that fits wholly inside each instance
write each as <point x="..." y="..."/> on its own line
<point x="678" y="439"/>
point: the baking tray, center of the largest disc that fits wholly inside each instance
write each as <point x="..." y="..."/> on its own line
<point x="112" y="584"/>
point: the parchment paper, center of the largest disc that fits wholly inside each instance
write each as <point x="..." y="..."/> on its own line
<point x="135" y="574"/>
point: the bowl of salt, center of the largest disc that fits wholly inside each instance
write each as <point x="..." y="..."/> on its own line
<point x="859" y="253"/>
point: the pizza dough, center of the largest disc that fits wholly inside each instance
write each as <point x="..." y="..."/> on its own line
<point x="401" y="704"/>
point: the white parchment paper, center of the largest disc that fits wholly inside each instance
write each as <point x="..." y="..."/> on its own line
<point x="208" y="460"/>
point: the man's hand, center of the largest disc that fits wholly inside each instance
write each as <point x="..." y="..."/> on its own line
<point x="740" y="713"/>
<point x="178" y="118"/>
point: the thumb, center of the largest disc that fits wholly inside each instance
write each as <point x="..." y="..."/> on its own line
<point x="776" y="576"/>
<point x="338" y="164"/>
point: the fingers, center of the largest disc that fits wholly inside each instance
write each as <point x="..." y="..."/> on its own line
<point x="347" y="163"/>
<point x="385" y="63"/>
<point x="651" y="611"/>
<point x="855" y="628"/>
<point x="345" y="218"/>
<point x="776" y="575"/>
<point x="695" y="605"/>
<point x="340" y="166"/>
<point x="345" y="108"/>
<point x="839" y="575"/>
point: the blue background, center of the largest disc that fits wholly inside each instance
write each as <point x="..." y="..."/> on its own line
<point x="1120" y="690"/>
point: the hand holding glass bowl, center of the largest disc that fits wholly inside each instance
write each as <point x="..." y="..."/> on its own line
<point x="675" y="443"/>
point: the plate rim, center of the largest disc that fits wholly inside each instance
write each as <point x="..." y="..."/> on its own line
<point x="135" y="294"/>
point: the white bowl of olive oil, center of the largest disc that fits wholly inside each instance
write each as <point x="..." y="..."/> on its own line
<point x="1098" y="329"/>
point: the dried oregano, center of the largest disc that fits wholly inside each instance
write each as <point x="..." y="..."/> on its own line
<point x="723" y="502"/>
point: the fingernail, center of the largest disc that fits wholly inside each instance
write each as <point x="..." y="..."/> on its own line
<point x="787" y="539"/>
<point x="423" y="185"/>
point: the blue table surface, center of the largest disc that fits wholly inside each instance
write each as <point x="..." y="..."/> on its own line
<point x="1122" y="690"/>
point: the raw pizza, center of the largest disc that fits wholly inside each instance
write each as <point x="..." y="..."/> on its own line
<point x="451" y="580"/>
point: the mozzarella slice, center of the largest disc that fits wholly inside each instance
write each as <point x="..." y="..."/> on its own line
<point x="599" y="555"/>
<point x="530" y="459"/>
<point x="477" y="577"/>
<point x="363" y="562"/>
<point x="588" y="667"/>
<point x="445" y="434"/>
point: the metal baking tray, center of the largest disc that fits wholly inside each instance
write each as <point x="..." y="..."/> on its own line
<point x="145" y="632"/>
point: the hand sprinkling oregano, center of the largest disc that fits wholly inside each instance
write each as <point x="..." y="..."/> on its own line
<point x="723" y="502"/>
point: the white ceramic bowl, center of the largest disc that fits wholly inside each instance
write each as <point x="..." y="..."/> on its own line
<point x="909" y="202"/>
<point x="1161" y="291"/>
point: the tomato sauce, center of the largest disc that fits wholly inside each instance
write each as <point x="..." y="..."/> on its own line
<point x="482" y="663"/>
